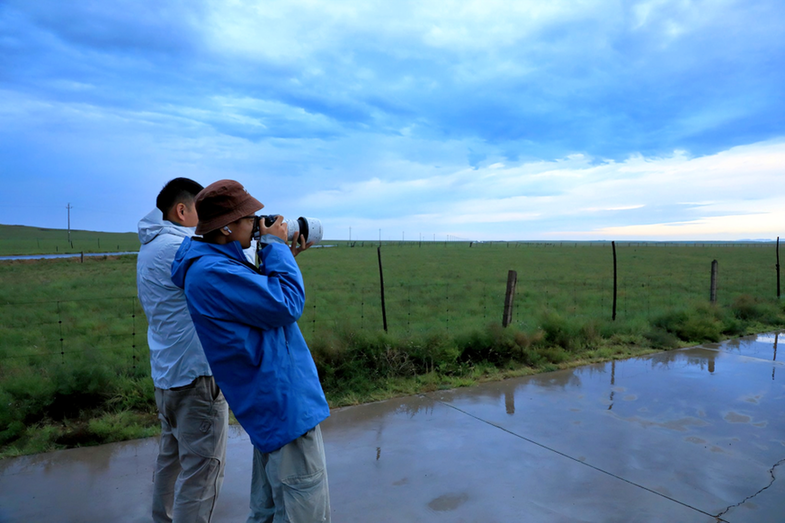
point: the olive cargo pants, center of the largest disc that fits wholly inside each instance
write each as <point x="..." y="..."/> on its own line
<point x="290" y="484"/>
<point x="189" y="470"/>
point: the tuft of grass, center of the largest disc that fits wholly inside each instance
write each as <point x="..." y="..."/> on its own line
<point x="751" y="309"/>
<point x="660" y="337"/>
<point x="123" y="425"/>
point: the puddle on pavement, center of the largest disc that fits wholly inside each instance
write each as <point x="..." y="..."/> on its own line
<point x="91" y="461"/>
<point x="448" y="502"/>
<point x="764" y="346"/>
<point x="733" y="417"/>
<point x="706" y="393"/>
<point x="634" y="389"/>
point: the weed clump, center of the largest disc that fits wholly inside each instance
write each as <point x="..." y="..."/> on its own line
<point x="691" y="325"/>
<point x="572" y="336"/>
<point x="705" y="322"/>
<point x="750" y="309"/>
<point x="660" y="338"/>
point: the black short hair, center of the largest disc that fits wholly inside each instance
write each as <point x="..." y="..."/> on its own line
<point x="179" y="190"/>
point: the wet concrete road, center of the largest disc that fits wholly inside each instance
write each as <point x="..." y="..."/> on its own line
<point x="695" y="435"/>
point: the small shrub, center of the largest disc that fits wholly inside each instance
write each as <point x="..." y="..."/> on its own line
<point x="554" y="355"/>
<point x="436" y="352"/>
<point x="523" y="339"/>
<point x="732" y="326"/>
<point x="476" y="346"/>
<point x="590" y="334"/>
<point x="661" y="339"/>
<point x="699" y="328"/>
<point x="557" y="331"/>
<point x="572" y="336"/>
<point x="133" y="394"/>
<point x="697" y="325"/>
<point x="42" y="438"/>
<point x="531" y="357"/>
<point x="119" y="426"/>
<point x="748" y="308"/>
<point x="13" y="431"/>
<point x="27" y="395"/>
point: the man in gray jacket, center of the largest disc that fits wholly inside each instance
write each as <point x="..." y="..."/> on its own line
<point x="193" y="412"/>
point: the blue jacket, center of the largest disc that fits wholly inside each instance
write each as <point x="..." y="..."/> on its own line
<point x="247" y="323"/>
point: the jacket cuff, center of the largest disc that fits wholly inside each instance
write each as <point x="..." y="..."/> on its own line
<point x="269" y="239"/>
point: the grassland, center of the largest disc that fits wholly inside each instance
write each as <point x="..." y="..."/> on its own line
<point x="74" y="366"/>
<point x="21" y="240"/>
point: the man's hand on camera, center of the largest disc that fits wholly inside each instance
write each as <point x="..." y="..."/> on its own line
<point x="298" y="244"/>
<point x="277" y="231"/>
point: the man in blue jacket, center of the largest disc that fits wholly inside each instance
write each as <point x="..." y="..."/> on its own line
<point x="189" y="469"/>
<point x="246" y="319"/>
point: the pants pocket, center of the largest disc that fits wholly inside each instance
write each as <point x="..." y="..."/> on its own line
<point x="203" y="420"/>
<point x="307" y="498"/>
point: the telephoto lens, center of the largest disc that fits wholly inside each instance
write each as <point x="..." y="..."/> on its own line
<point x="310" y="228"/>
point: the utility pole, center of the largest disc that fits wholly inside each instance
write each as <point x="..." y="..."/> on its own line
<point x="69" y="221"/>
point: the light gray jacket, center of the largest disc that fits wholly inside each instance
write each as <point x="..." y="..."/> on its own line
<point x="176" y="355"/>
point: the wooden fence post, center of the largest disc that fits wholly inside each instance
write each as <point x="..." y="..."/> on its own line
<point x="714" y="269"/>
<point x="381" y="281"/>
<point x="512" y="281"/>
<point x="615" y="282"/>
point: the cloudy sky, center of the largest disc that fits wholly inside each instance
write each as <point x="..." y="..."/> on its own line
<point x="491" y="120"/>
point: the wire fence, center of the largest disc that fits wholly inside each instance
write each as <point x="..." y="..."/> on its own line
<point x="82" y="329"/>
<point x="111" y="327"/>
<point x="425" y="243"/>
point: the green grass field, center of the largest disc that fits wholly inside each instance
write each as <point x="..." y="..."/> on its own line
<point x="74" y="366"/>
<point x="21" y="240"/>
<point x="454" y="287"/>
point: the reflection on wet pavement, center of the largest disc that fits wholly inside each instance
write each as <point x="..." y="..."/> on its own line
<point x="686" y="435"/>
<point x="671" y="423"/>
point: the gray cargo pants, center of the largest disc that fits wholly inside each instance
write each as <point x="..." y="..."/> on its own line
<point x="290" y="484"/>
<point x="190" y="467"/>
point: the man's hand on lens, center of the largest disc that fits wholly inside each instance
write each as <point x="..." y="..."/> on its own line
<point x="298" y="244"/>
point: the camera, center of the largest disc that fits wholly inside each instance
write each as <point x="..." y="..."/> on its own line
<point x="309" y="228"/>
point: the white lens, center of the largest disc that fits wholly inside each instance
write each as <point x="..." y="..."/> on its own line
<point x="311" y="228"/>
<point x="314" y="230"/>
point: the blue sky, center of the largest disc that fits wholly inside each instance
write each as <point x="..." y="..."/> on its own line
<point x="491" y="120"/>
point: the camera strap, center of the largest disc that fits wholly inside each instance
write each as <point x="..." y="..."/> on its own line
<point x="251" y="266"/>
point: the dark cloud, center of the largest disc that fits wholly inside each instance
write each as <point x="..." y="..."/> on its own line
<point x="84" y="83"/>
<point x="118" y="27"/>
<point x="602" y="86"/>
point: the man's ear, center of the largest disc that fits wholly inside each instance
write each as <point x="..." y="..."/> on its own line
<point x="179" y="211"/>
